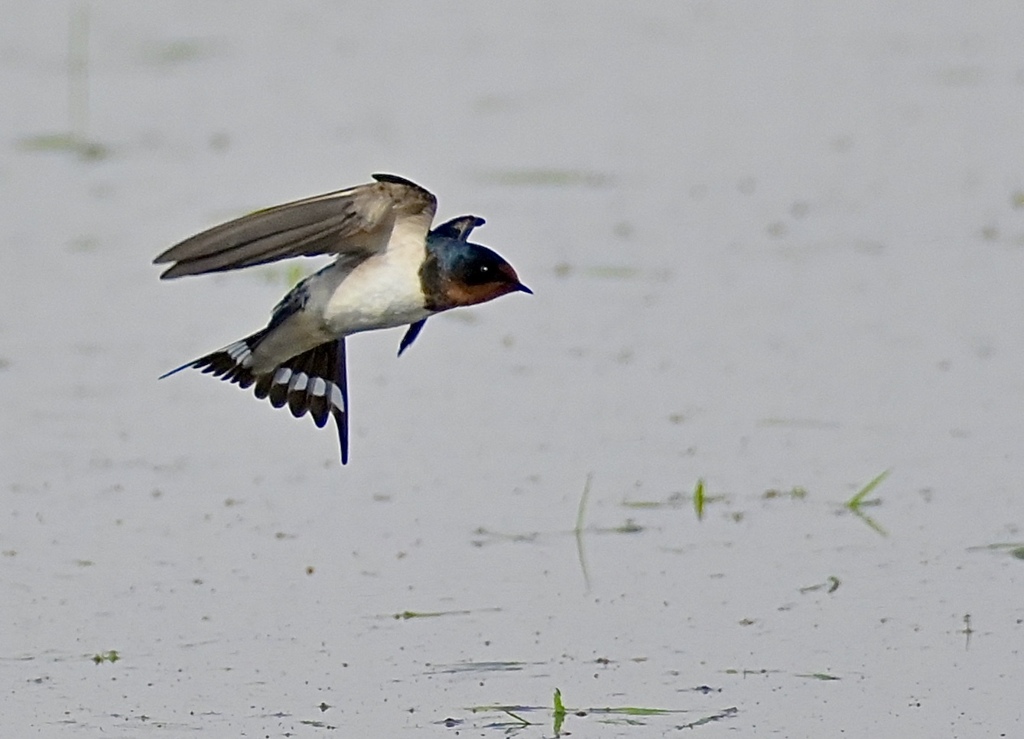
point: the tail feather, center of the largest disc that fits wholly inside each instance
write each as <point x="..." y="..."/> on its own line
<point x="313" y="382"/>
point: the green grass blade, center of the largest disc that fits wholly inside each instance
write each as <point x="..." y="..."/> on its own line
<point x="857" y="500"/>
<point x="559" y="713"/>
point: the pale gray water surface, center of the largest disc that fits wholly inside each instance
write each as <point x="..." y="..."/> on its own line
<point x="774" y="246"/>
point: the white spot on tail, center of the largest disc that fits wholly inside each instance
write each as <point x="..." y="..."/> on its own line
<point x="298" y="382"/>
<point x="240" y="353"/>
<point x="336" y="400"/>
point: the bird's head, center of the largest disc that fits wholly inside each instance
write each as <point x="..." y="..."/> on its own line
<point x="458" y="273"/>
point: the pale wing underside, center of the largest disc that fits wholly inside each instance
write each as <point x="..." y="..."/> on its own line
<point x="357" y="221"/>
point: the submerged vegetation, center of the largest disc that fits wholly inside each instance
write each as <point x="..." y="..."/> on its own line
<point x="110" y="656"/>
<point x="76" y="138"/>
<point x="860" y="499"/>
<point x="559" y="713"/>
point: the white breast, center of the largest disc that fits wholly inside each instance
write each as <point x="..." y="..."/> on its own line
<point x="382" y="291"/>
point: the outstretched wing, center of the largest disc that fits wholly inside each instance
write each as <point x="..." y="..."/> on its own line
<point x="357" y="221"/>
<point x="458" y="228"/>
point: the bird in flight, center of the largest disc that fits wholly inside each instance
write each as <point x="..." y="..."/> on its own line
<point x="390" y="270"/>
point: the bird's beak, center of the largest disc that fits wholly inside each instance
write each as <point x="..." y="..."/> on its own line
<point x="523" y="288"/>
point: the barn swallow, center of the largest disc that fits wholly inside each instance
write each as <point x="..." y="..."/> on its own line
<point x="390" y="270"/>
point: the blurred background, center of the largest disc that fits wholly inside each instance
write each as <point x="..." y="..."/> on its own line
<point x="777" y="248"/>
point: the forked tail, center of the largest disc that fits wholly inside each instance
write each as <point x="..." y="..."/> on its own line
<point x="313" y="382"/>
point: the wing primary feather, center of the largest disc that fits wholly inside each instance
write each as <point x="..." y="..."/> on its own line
<point x="410" y="335"/>
<point x="212" y="254"/>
